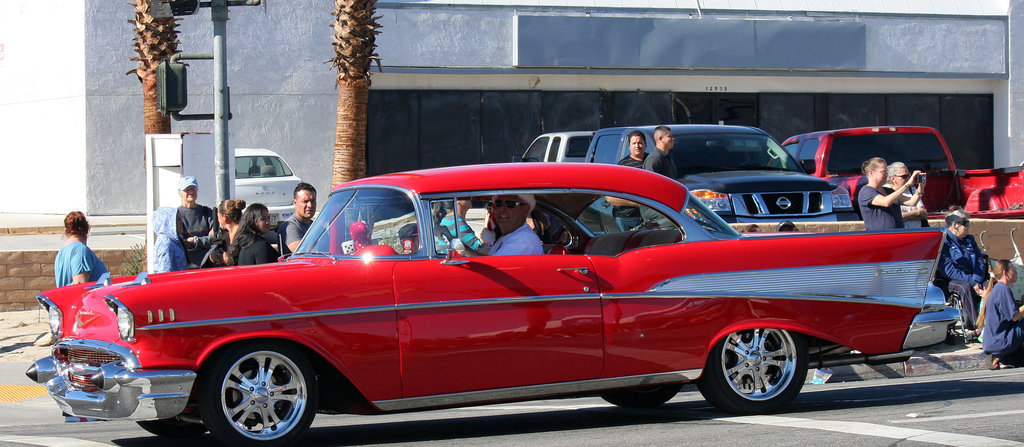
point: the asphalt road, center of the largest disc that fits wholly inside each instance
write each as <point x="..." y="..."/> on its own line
<point x="977" y="408"/>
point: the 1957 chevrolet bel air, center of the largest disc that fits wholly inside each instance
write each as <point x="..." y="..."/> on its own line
<point x="376" y="312"/>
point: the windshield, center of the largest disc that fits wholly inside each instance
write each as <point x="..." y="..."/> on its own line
<point x="699" y="153"/>
<point x="919" y="151"/>
<point x="377" y="220"/>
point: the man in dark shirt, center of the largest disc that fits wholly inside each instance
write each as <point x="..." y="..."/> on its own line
<point x="659" y="161"/>
<point x="626" y="216"/>
<point x="880" y="206"/>
<point x="198" y="222"/>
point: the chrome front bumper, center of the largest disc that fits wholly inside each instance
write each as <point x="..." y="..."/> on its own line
<point x="115" y="389"/>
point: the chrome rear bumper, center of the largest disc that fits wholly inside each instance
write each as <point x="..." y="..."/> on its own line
<point x="929" y="328"/>
<point x="112" y="390"/>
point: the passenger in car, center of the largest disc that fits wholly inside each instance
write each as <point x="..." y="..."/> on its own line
<point x="517" y="238"/>
<point x="458" y="228"/>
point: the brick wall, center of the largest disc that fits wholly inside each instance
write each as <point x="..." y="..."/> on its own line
<point x="23" y="274"/>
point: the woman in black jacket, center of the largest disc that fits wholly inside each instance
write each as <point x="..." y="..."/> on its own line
<point x="249" y="245"/>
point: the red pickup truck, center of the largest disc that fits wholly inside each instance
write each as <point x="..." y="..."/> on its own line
<point x="837" y="155"/>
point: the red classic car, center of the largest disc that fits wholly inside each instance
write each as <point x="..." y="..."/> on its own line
<point x="375" y="311"/>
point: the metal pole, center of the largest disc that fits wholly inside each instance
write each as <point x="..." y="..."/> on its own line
<point x="219" y="14"/>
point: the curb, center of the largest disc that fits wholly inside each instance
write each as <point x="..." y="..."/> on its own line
<point x="917" y="366"/>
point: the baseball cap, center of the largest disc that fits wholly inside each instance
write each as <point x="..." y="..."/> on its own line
<point x="187" y="181"/>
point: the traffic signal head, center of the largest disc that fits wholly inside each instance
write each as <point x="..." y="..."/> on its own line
<point x="171" y="87"/>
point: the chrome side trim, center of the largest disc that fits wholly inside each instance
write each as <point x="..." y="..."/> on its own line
<point x="272" y="317"/>
<point x="929" y="328"/>
<point x="898" y="283"/>
<point x="533" y="391"/>
<point x="371" y="309"/>
<point x="759" y="296"/>
<point x="494" y="301"/>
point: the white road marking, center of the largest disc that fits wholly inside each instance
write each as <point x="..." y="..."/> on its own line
<point x="51" y="441"/>
<point x="882" y="431"/>
<point x="926" y="418"/>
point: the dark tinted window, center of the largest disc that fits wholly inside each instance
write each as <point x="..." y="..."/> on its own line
<point x="608" y="148"/>
<point x="809" y="150"/>
<point x="555" y="144"/>
<point x="916" y="150"/>
<point x="577" y="147"/>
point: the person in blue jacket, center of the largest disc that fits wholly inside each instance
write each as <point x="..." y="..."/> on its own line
<point x="1001" y="319"/>
<point x="962" y="265"/>
<point x="169" y="253"/>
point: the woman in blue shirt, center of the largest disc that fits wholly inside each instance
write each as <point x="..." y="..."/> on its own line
<point x="1002" y="319"/>
<point x="75" y="262"/>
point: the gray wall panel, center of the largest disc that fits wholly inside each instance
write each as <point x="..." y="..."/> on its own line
<point x="820" y="45"/>
<point x="546" y="41"/>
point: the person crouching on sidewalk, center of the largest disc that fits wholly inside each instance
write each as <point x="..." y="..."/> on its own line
<point x="1001" y="320"/>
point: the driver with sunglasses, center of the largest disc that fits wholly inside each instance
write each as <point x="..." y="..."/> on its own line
<point x="517" y="238"/>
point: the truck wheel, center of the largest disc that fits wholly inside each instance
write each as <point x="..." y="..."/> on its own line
<point x="646" y="397"/>
<point x="755" y="371"/>
<point x="264" y="396"/>
<point x="173" y="428"/>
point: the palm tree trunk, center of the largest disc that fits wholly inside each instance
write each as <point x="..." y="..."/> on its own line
<point x="153" y="120"/>
<point x="350" y="134"/>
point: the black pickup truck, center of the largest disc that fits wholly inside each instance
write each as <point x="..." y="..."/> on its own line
<point x="740" y="172"/>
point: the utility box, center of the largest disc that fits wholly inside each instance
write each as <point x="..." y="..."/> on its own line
<point x="169" y="157"/>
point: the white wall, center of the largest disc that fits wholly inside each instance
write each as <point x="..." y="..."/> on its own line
<point x="42" y="106"/>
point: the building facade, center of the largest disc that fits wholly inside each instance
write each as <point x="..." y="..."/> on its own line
<point x="470" y="81"/>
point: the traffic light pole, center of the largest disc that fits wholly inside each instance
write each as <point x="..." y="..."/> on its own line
<point x="219" y="14"/>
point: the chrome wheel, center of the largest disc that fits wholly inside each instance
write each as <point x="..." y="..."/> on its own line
<point x="760" y="363"/>
<point x="263" y="395"/>
<point x="754" y="371"/>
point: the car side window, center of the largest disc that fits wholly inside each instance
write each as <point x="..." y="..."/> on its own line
<point x="553" y="151"/>
<point x="577" y="147"/>
<point x="607" y="149"/>
<point x="373" y="221"/>
<point x="601" y="216"/>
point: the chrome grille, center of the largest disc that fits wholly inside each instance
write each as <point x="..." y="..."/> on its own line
<point x="90" y="357"/>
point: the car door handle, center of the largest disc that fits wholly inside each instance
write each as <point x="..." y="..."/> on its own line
<point x="582" y="270"/>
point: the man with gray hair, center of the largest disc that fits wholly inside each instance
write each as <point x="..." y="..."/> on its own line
<point x="517" y="238"/>
<point x="911" y="203"/>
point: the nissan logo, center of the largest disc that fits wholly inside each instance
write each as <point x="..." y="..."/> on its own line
<point x="783" y="203"/>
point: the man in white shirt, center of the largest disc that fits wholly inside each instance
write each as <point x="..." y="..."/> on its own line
<point x="510" y="212"/>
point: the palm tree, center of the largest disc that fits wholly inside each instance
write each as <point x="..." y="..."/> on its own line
<point x="355" y="31"/>
<point x="155" y="40"/>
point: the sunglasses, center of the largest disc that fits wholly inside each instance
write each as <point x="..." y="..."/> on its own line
<point x="904" y="176"/>
<point x="508" y="203"/>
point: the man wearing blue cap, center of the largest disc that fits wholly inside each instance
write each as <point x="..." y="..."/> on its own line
<point x="197" y="222"/>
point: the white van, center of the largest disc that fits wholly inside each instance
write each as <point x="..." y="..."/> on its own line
<point x="559" y="146"/>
